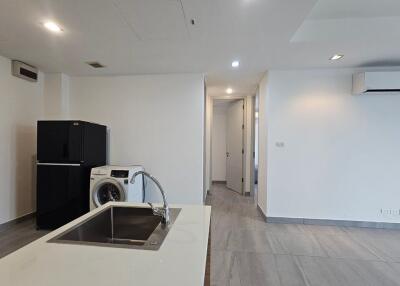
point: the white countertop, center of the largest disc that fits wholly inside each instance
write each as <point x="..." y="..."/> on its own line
<point x="181" y="260"/>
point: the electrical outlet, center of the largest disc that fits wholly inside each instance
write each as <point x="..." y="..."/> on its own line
<point x="390" y="212"/>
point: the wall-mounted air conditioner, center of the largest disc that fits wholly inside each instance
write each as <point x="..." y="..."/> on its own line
<point x="376" y="82"/>
<point x="25" y="71"/>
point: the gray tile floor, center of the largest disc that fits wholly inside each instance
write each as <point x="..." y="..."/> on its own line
<point x="246" y="251"/>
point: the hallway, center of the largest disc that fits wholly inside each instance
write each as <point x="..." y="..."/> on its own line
<point x="246" y="251"/>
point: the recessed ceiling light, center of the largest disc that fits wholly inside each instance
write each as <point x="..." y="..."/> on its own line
<point x="235" y="64"/>
<point x="229" y="90"/>
<point x="336" y="57"/>
<point x="51" y="26"/>
<point x="96" y="65"/>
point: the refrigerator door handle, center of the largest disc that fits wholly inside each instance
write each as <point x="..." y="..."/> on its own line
<point x="58" y="164"/>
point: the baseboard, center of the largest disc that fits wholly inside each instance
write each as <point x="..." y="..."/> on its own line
<point x="219" y="182"/>
<point x="20" y="219"/>
<point x="284" y="220"/>
<point x="329" y="222"/>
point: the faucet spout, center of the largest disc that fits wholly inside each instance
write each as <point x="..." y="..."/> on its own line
<point x="164" y="211"/>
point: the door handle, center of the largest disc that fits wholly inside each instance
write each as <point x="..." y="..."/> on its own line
<point x="227" y="154"/>
<point x="58" y="164"/>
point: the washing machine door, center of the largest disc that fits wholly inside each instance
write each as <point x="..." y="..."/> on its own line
<point x="108" y="190"/>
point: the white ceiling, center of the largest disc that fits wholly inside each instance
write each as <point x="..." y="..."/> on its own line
<point x="156" y="36"/>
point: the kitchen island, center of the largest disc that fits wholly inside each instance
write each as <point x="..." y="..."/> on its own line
<point x="181" y="259"/>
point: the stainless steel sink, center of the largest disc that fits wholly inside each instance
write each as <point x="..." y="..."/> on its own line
<point x="127" y="227"/>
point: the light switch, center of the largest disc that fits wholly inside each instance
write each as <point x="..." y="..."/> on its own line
<point x="280" y="144"/>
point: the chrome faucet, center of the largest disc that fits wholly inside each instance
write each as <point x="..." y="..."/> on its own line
<point x="164" y="211"/>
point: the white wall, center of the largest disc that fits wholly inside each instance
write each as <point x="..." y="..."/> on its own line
<point x="263" y="107"/>
<point x="155" y="120"/>
<point x="219" y="143"/>
<point x="56" y="96"/>
<point x="207" y="145"/>
<point x="341" y="153"/>
<point x="21" y="105"/>
<point x="248" y="143"/>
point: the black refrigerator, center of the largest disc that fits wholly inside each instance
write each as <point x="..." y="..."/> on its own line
<point x="66" y="152"/>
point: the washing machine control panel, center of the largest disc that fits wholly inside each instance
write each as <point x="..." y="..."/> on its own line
<point x="120" y="173"/>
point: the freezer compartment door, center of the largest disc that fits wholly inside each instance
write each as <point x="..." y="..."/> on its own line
<point x="60" y="141"/>
<point x="62" y="194"/>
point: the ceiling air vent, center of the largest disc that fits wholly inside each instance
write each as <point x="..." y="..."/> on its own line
<point x="96" y="65"/>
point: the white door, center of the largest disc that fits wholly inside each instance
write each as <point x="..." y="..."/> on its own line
<point x="234" y="146"/>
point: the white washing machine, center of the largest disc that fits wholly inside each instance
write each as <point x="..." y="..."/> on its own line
<point x="113" y="183"/>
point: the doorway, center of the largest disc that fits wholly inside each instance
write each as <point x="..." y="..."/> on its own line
<point x="228" y="144"/>
<point x="234" y="146"/>
<point x="254" y="165"/>
<point x="216" y="144"/>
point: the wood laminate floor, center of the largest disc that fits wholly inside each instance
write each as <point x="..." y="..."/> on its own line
<point x="18" y="236"/>
<point x="246" y="251"/>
